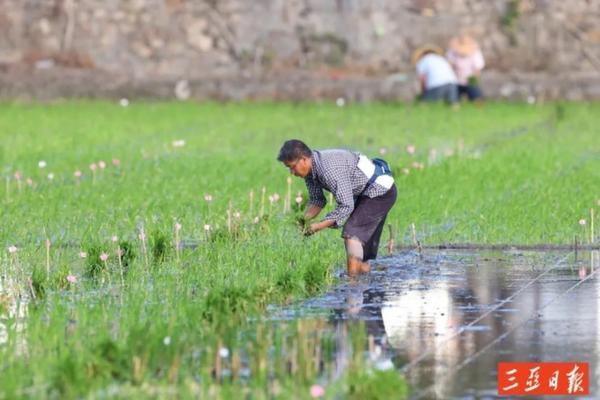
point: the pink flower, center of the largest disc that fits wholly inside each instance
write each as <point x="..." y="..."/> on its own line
<point x="177" y="226"/>
<point x="104" y="256"/>
<point x="411" y="149"/>
<point x="382" y="151"/>
<point x="77" y="174"/>
<point x="114" y="238"/>
<point x="101" y="164"/>
<point x="317" y="391"/>
<point x="29" y="182"/>
<point x="298" y="199"/>
<point x="93" y="166"/>
<point x="405" y="171"/>
<point x="289" y="180"/>
<point x="582" y="222"/>
<point x="142" y="234"/>
<point x="18" y="175"/>
<point x="71" y="278"/>
<point x="237" y="215"/>
<point x="82" y="254"/>
<point x="12" y="249"/>
<point x="116" y="162"/>
<point x="208" y="197"/>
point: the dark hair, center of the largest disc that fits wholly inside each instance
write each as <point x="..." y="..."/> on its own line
<point x="293" y="150"/>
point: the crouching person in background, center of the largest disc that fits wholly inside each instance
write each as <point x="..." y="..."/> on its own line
<point x="437" y="79"/>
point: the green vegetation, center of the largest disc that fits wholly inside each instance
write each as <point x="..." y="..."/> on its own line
<point x="510" y="19"/>
<point x="153" y="320"/>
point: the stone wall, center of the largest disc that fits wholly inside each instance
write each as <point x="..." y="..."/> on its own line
<point x="236" y="49"/>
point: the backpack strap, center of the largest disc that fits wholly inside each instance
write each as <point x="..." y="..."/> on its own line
<point x="381" y="168"/>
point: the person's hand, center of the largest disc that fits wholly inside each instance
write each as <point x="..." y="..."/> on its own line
<point x="310" y="230"/>
<point x="301" y="221"/>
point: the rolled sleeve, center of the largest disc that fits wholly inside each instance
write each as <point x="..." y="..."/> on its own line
<point x="315" y="193"/>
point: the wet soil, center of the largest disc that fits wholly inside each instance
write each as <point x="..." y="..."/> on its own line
<point x="445" y="318"/>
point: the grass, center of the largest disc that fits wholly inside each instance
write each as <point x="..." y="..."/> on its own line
<point x="502" y="173"/>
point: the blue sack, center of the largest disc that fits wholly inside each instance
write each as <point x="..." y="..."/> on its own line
<point x="381" y="168"/>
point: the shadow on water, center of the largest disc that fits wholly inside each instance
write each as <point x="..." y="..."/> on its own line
<point x="446" y="319"/>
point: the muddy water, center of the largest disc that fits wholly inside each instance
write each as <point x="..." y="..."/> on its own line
<point x="445" y="319"/>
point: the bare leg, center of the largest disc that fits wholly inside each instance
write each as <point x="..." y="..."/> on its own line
<point x="354" y="253"/>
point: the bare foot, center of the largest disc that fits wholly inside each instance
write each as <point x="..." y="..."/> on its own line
<point x="356" y="266"/>
<point x="353" y="269"/>
<point x="365" y="268"/>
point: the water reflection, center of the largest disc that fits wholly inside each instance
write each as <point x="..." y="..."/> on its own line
<point x="447" y="320"/>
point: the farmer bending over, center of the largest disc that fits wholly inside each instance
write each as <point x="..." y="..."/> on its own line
<point x="364" y="191"/>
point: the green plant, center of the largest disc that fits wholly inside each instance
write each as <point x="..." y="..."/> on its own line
<point x="315" y="276"/>
<point x="226" y="302"/>
<point x="68" y="376"/>
<point x="510" y="18"/>
<point x="94" y="265"/>
<point x="58" y="278"/>
<point x="110" y="361"/>
<point x="39" y="282"/>
<point x="377" y="385"/>
<point x="128" y="254"/>
<point x="160" y="245"/>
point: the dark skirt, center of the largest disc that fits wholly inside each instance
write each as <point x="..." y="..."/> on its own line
<point x="367" y="221"/>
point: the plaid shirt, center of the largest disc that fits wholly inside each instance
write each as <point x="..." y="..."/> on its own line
<point x="337" y="172"/>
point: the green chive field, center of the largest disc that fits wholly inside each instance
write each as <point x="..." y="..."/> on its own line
<point x="143" y="245"/>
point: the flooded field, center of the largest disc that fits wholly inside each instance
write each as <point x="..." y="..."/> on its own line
<point x="445" y="319"/>
<point x="153" y="250"/>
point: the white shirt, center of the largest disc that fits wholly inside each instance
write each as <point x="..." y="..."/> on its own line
<point x="436" y="70"/>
